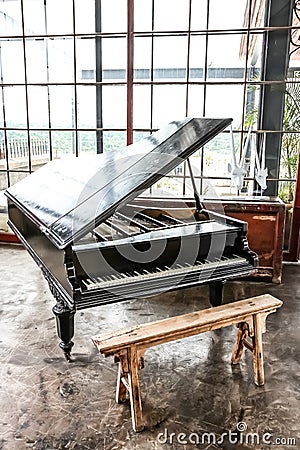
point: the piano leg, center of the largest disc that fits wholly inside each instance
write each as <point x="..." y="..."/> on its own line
<point x="216" y="293"/>
<point x="65" y="327"/>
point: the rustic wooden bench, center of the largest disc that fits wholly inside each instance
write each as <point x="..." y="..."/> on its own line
<point x="129" y="345"/>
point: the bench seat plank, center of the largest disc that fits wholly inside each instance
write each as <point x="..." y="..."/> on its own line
<point x="185" y="325"/>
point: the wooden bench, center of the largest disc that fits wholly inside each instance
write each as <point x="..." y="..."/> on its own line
<point x="129" y="345"/>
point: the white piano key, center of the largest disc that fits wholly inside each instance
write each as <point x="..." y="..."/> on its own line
<point x="115" y="277"/>
<point x="85" y="284"/>
<point x="99" y="280"/>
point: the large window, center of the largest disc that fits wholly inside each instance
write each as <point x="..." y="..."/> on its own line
<point x="95" y="75"/>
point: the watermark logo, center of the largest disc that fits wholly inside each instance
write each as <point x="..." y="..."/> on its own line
<point x="238" y="436"/>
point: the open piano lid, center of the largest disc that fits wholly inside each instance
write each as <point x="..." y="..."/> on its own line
<point x="67" y="198"/>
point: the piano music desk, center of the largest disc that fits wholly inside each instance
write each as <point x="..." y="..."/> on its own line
<point x="128" y="346"/>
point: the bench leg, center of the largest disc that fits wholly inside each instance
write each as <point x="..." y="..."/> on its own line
<point x="258" y="363"/>
<point x="134" y="390"/>
<point x="239" y="343"/>
<point x="255" y="348"/>
<point x="121" y="388"/>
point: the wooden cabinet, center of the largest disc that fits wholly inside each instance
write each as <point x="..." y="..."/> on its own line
<point x="265" y="217"/>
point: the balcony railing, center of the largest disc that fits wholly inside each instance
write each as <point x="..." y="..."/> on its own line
<point x="19" y="149"/>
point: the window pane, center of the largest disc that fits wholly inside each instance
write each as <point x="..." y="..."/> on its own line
<point x="225" y="101"/>
<point x="85" y="16"/>
<point x="213" y="188"/>
<point x="38" y="107"/>
<point x="59" y="17"/>
<point x="114" y="58"/>
<point x="87" y="141"/>
<point x="86" y="106"/>
<point x="229" y="14"/>
<point x="167" y="187"/>
<point x="195" y="101"/>
<point x="254" y="57"/>
<point x="12" y="67"/>
<point x="141" y="106"/>
<point x="198" y="16"/>
<point x="142" y="58"/>
<point x="168" y="104"/>
<point x="139" y="135"/>
<point x="112" y="140"/>
<point x="18" y="150"/>
<point x="171" y="15"/>
<point x="61" y="60"/>
<point x="39" y="148"/>
<point x="219" y="56"/>
<point x="196" y="165"/>
<point x="217" y="155"/>
<point x="170" y="53"/>
<point x="63" y="143"/>
<point x="62" y="106"/>
<point x="114" y="15"/>
<point x="197" y="57"/>
<point x="15" y="106"/>
<point x="143" y="15"/>
<point x="86" y="59"/>
<point x="251" y="105"/>
<point x="114" y="101"/>
<point x="36" y="62"/>
<point x="34" y="16"/>
<point x="10" y="18"/>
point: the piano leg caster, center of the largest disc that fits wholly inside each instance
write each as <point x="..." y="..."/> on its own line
<point x="65" y="327"/>
<point x="216" y="293"/>
<point x="66" y="348"/>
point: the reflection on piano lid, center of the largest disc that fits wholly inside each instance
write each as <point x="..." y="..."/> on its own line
<point x="68" y="198"/>
<point x="80" y="221"/>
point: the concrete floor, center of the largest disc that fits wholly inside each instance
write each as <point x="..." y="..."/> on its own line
<point x="188" y="386"/>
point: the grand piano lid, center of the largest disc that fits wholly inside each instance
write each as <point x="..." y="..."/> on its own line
<point x="67" y="198"/>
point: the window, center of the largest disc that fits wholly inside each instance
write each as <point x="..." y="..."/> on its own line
<point x="87" y="79"/>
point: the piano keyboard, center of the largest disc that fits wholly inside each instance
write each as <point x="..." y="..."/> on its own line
<point x="150" y="282"/>
<point x="108" y="281"/>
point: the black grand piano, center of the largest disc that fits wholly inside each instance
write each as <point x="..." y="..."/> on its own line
<point x="98" y="241"/>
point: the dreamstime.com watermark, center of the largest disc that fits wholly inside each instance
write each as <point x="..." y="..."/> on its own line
<point x="239" y="436"/>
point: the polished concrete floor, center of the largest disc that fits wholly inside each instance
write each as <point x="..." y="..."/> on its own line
<point x="189" y="387"/>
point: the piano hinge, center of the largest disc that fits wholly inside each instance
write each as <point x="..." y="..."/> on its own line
<point x="74" y="282"/>
<point x="72" y="276"/>
<point x="71" y="273"/>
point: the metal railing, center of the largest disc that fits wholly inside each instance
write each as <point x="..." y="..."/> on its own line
<point x="18" y="148"/>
